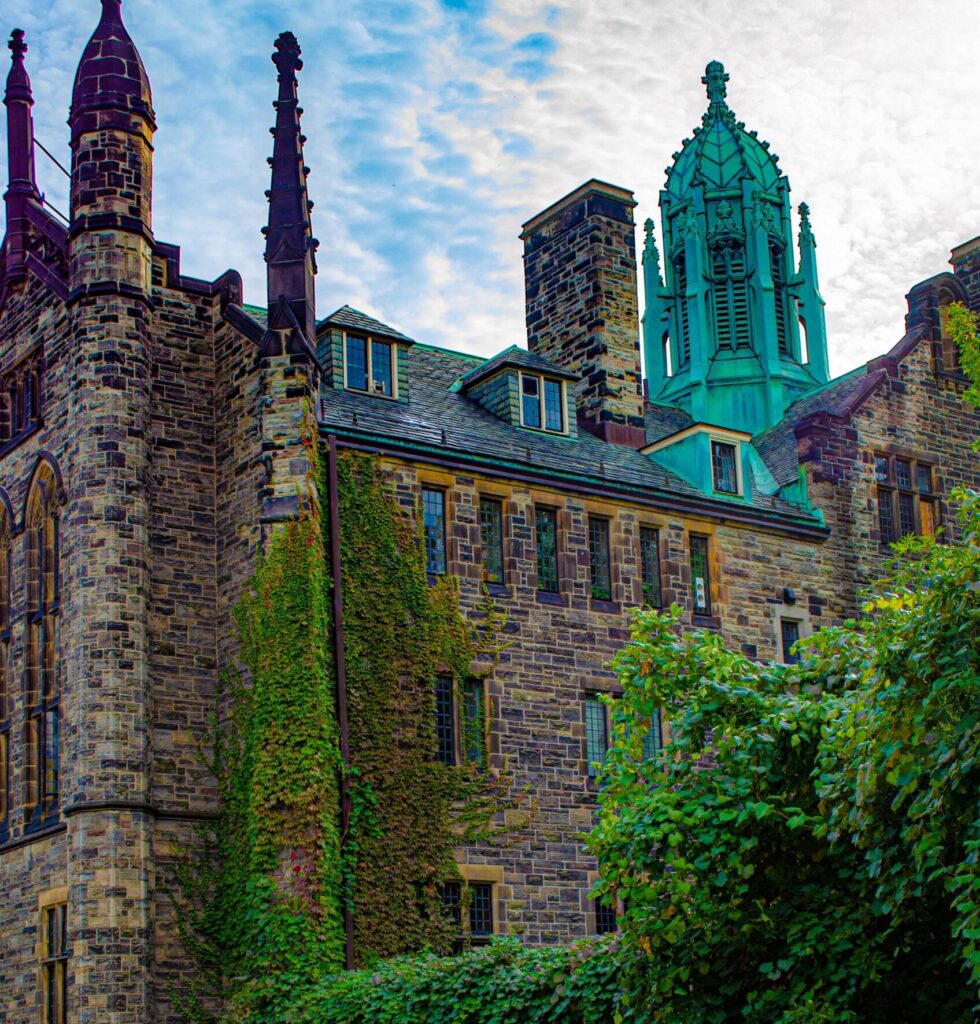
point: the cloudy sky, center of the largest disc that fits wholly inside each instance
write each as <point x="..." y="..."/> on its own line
<point x="436" y="127"/>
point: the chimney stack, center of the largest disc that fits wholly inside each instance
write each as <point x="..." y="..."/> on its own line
<point x="580" y="286"/>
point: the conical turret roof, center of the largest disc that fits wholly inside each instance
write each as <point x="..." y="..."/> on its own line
<point x="722" y="152"/>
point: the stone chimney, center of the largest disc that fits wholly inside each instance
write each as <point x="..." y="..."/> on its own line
<point x="965" y="260"/>
<point x="580" y="287"/>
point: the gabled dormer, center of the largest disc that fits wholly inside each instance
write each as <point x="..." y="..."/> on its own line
<point x="363" y="355"/>
<point x="525" y="390"/>
<point x="716" y="460"/>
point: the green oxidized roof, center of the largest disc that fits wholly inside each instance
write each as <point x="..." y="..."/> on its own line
<point x="721" y="152"/>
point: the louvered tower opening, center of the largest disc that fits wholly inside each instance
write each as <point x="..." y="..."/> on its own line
<point x="684" y="341"/>
<point x="779" y="298"/>
<point x="731" y="296"/>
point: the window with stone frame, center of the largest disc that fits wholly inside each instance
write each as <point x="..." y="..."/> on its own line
<point x="477" y="898"/>
<point x="43" y="728"/>
<point x="596" y="733"/>
<point x="600" y="569"/>
<point x="546" y="541"/>
<point x="700" y="574"/>
<point x="55" y="953"/>
<point x="650" y="567"/>
<point x="20" y="399"/>
<point x="605" y="918"/>
<point x="492" y="540"/>
<point x="789" y="633"/>
<point x="907" y="498"/>
<point x="6" y="697"/>
<point x="461" y="722"/>
<point x="434" y="530"/>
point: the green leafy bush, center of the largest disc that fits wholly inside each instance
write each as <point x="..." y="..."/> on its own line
<point x="807" y="847"/>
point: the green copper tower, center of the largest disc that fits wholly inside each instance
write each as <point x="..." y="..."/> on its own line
<point x="733" y="329"/>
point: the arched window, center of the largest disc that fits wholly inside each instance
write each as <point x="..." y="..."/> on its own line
<point x="43" y="779"/>
<point x="683" y="319"/>
<point x="776" y="260"/>
<point x="731" y="295"/>
<point x="949" y="350"/>
<point x="6" y="698"/>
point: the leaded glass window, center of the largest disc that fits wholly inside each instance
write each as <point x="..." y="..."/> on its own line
<point x="530" y="400"/>
<point x="481" y="910"/>
<point x="599" y="559"/>
<point x="492" y="539"/>
<point x="452" y="902"/>
<point x="596" y="733"/>
<point x="445" y="721"/>
<point x="554" y="407"/>
<point x="546" y="537"/>
<point x="382" y="380"/>
<point x="473" y="725"/>
<point x="907" y="503"/>
<point x="700" y="574"/>
<point x="724" y="467"/>
<point x="357" y="363"/>
<point x="605" y="919"/>
<point x="650" y="566"/>
<point x="54" y="963"/>
<point x="789" y="633"/>
<point x="434" y="526"/>
<point x="653" y="740"/>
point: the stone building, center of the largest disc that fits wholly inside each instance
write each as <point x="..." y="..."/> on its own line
<point x="150" y="438"/>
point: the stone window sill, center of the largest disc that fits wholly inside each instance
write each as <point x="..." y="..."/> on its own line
<point x="550" y="597"/>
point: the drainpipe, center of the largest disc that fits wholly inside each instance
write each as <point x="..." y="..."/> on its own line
<point x="340" y="660"/>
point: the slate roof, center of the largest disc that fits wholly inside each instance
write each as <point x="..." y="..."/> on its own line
<point x="663" y="420"/>
<point x="515" y="356"/>
<point x="354" y="319"/>
<point x="839" y="397"/>
<point x="441" y="423"/>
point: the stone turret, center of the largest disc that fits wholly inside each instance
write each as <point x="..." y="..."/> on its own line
<point x="21" y="182"/>
<point x="722" y="332"/>
<point x="106" y="650"/>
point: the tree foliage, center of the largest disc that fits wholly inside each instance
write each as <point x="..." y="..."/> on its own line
<point x="962" y="326"/>
<point x="807" y="848"/>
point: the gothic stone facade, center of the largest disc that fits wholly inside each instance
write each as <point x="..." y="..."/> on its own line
<point x="150" y="439"/>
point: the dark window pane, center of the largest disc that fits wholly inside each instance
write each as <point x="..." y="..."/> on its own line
<point x="474" y="722"/>
<point x="452" y="898"/>
<point x="650" y="566"/>
<point x="789" y="633"/>
<point x="906" y="514"/>
<point x="546" y="530"/>
<point x="923" y="478"/>
<point x="700" y="578"/>
<point x="903" y="473"/>
<point x="599" y="559"/>
<point x="492" y="539"/>
<point x="653" y="740"/>
<point x="445" y="731"/>
<point x="596" y="740"/>
<point x="51" y="928"/>
<point x="51" y="759"/>
<point x="605" y="919"/>
<point x="881" y="469"/>
<point x="554" y="418"/>
<point x="434" y="520"/>
<point x="64" y="929"/>
<point x="381" y="375"/>
<point x="530" y="401"/>
<point x="481" y="909"/>
<point x="886" y="516"/>
<point x="357" y="363"/>
<point x="723" y="467"/>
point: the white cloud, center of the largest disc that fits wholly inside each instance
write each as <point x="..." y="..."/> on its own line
<point x="428" y="149"/>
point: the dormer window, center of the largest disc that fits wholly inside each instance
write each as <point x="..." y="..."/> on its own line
<point x="369" y="365"/>
<point x="724" y="467"/>
<point x="543" y="403"/>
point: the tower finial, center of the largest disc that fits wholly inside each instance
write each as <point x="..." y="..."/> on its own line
<point x="289" y="244"/>
<point x="112" y="12"/>
<point x="806" y="231"/>
<point x="18" y="100"/>
<point x="715" y="78"/>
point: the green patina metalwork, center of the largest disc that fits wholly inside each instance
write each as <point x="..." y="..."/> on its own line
<point x="734" y="328"/>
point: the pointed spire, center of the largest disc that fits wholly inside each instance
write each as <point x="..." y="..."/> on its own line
<point x="290" y="247"/>
<point x="806" y="232"/>
<point x="810" y="302"/>
<point x="715" y="78"/>
<point x="650" y="253"/>
<point x="112" y="12"/>
<point x="20" y="125"/>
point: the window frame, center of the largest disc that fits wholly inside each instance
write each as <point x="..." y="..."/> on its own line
<point x="736" y="447"/>
<point x="645" y="531"/>
<point x="607" y="596"/>
<point x="593" y="699"/>
<point x="552" y="511"/>
<point x="706" y="611"/>
<point x="53" y="961"/>
<point x="891" y="491"/>
<point x="542" y="379"/>
<point x="455" y="747"/>
<point x="500" y="546"/>
<point x="370" y="341"/>
<point x="786" y="657"/>
<point x="433" y="489"/>
<point x="463" y="886"/>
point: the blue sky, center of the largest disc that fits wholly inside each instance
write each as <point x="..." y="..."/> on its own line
<point x="436" y="127"/>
